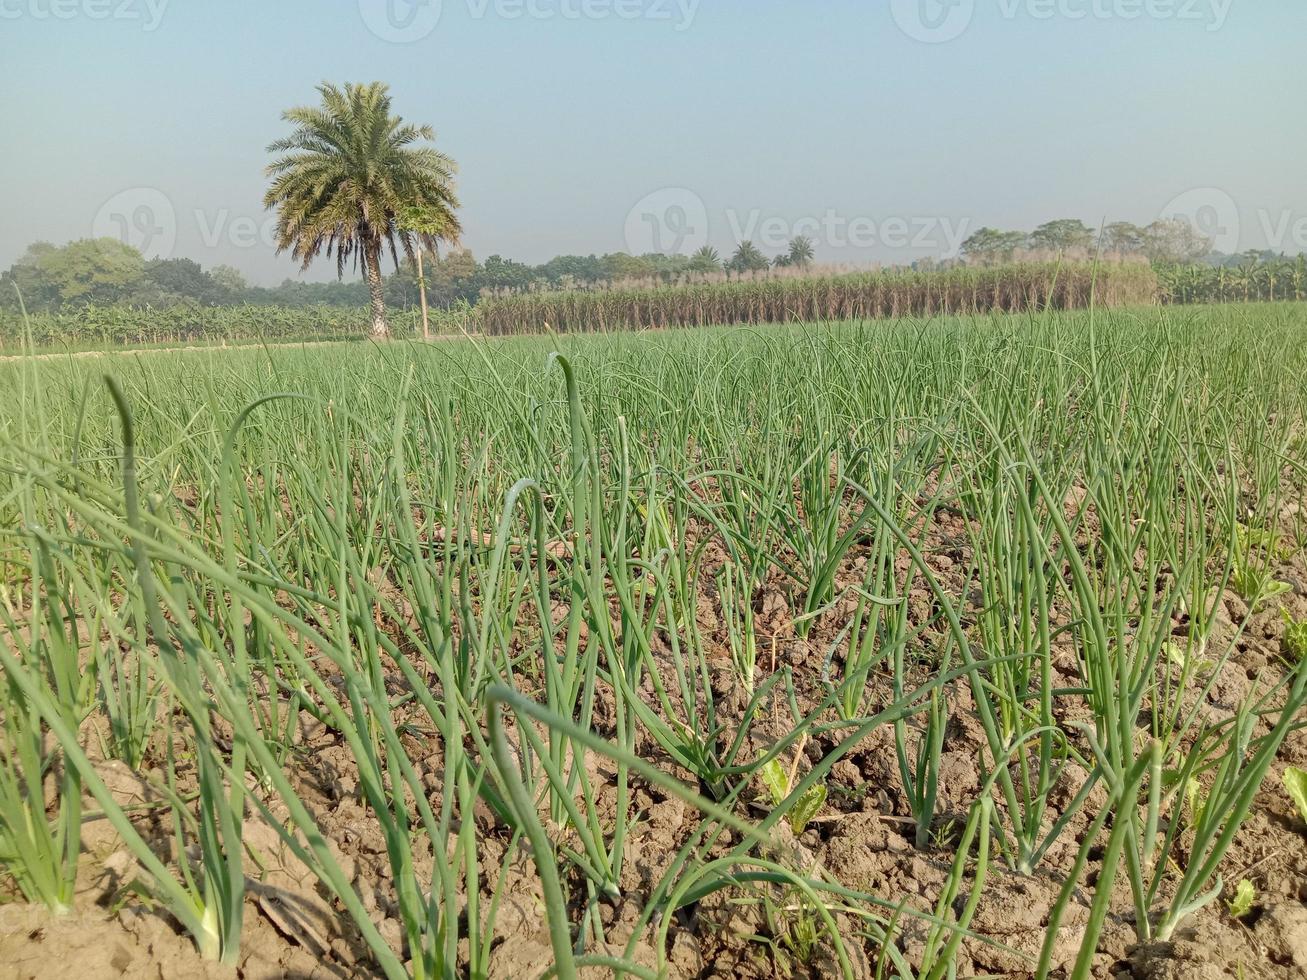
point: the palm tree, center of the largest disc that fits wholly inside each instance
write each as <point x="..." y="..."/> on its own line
<point x="1246" y="276"/>
<point x="747" y="258"/>
<point x="801" y="252"/>
<point x="705" y="259"/>
<point x="348" y="172"/>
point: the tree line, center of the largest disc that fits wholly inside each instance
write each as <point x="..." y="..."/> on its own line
<point x="106" y="271"/>
<point x="1167" y="240"/>
<point x="356" y="182"/>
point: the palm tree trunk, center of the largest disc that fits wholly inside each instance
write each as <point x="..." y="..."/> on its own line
<point x="372" y="272"/>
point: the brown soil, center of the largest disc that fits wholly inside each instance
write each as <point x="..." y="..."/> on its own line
<point x="862" y="837"/>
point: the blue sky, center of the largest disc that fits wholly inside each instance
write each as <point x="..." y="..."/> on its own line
<point x="605" y="125"/>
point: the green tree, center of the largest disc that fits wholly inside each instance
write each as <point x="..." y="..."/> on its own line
<point x="991" y="245"/>
<point x="666" y="267"/>
<point x="747" y="258"/>
<point x="501" y="273"/>
<point x="91" y="270"/>
<point x="619" y="266"/>
<point x="182" y="279"/>
<point x="423" y="225"/>
<point x="706" y="260"/>
<point x="25" y="282"/>
<point x="454" y="276"/>
<point x="1122" y="237"/>
<point x="1064" y="234"/>
<point x="400" y="288"/>
<point x="578" y="268"/>
<point x="801" y="252"/>
<point x="229" y="280"/>
<point x="1174" y="240"/>
<point x="294" y="293"/>
<point x="346" y="174"/>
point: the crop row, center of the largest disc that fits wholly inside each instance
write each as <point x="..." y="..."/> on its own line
<point x="856" y="296"/>
<point x="190" y="323"/>
<point x="592" y="654"/>
<point x="1016" y="288"/>
<point x="1251" y="281"/>
<point x="774" y="299"/>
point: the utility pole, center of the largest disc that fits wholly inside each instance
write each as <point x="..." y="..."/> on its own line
<point x="422" y="294"/>
<point x="426" y="228"/>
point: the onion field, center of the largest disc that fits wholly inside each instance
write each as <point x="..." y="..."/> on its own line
<point x="961" y="646"/>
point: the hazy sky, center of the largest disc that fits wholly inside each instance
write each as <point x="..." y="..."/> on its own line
<point x="883" y="130"/>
